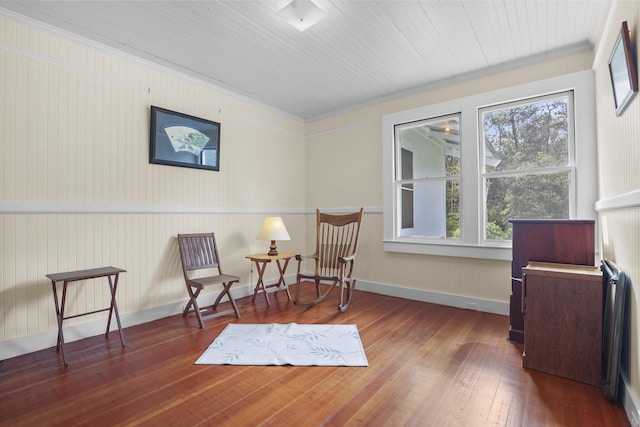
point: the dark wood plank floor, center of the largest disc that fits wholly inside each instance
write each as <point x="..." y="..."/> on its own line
<point x="429" y="365"/>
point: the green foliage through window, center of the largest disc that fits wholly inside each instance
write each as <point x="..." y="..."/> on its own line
<point x="528" y="173"/>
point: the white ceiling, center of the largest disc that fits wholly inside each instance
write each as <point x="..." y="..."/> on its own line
<point x="362" y="52"/>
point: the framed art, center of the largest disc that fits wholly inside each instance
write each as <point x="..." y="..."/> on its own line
<point x="622" y="68"/>
<point x="178" y="139"/>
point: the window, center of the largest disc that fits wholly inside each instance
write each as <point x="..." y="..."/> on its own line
<point x="428" y="177"/>
<point x="456" y="172"/>
<point x="528" y="161"/>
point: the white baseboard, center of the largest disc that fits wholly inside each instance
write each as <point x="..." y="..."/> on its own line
<point x="451" y="300"/>
<point x="20" y="346"/>
<point x="629" y="401"/>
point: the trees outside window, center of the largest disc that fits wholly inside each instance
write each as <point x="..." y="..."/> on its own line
<point x="531" y="179"/>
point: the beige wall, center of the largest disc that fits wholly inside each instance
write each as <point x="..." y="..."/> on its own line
<point x="77" y="190"/>
<point x="351" y="144"/>
<point x="619" y="183"/>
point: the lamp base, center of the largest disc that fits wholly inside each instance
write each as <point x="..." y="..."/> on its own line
<point x="273" y="250"/>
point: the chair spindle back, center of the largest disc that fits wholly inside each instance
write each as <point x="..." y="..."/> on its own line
<point x="337" y="236"/>
<point x="199" y="251"/>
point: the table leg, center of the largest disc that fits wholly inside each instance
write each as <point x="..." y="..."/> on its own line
<point x="260" y="283"/>
<point x="281" y="281"/>
<point x="59" y="318"/>
<point x="114" y="308"/>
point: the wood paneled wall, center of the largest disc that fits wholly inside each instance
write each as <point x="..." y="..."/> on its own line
<point x="77" y="190"/>
<point x="619" y="187"/>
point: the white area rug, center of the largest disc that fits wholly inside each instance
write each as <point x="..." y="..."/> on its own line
<point x="291" y="344"/>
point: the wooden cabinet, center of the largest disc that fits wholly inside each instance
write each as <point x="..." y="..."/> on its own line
<point x="563" y="320"/>
<point x="545" y="240"/>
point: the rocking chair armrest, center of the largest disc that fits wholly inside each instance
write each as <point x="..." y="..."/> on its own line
<point x="349" y="258"/>
<point x="302" y="257"/>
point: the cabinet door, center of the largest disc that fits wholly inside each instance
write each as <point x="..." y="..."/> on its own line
<point x="563" y="324"/>
<point x="574" y="243"/>
<point x="531" y="241"/>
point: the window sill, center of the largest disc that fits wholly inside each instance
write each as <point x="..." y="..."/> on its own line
<point x="451" y="249"/>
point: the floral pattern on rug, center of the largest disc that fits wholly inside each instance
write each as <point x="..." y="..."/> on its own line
<point x="286" y="344"/>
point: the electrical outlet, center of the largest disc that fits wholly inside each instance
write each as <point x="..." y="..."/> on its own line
<point x="471" y="306"/>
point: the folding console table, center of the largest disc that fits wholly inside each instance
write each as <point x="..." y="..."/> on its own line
<point x="112" y="273"/>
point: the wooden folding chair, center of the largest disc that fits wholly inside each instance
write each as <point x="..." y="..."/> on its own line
<point x="335" y="255"/>
<point x="200" y="252"/>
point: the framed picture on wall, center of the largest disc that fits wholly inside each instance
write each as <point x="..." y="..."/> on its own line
<point x="178" y="139"/>
<point x="622" y="68"/>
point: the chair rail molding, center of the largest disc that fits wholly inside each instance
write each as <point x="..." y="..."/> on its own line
<point x="621" y="201"/>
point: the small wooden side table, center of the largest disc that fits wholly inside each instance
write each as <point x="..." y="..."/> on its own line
<point x="261" y="261"/>
<point x="112" y="273"/>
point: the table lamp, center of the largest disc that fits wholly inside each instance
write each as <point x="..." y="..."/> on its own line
<point x="273" y="229"/>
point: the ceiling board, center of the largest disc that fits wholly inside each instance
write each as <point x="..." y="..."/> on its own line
<point x="363" y="51"/>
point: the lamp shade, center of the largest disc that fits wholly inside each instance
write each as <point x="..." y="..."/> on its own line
<point x="273" y="229"/>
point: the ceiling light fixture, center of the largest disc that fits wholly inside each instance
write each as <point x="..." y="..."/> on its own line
<point x="302" y="14"/>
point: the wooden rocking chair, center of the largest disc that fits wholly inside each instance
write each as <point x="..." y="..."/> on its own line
<point x="200" y="252"/>
<point x="335" y="255"/>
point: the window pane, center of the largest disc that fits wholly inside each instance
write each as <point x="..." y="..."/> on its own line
<point x="524" y="197"/>
<point x="435" y="147"/>
<point x="407" y="206"/>
<point x="527" y="136"/>
<point x="434" y="209"/>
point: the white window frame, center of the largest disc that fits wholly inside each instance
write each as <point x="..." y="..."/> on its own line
<point x="471" y="243"/>
<point x="569" y="167"/>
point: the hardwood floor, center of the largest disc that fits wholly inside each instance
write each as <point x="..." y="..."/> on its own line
<point x="429" y="365"/>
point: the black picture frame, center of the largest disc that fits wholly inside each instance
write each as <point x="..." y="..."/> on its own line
<point x="622" y="69"/>
<point x="178" y="139"/>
